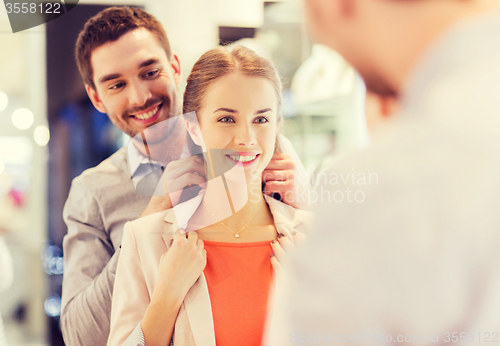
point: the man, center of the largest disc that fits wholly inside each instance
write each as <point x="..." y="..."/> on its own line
<point x="130" y="74"/>
<point x="413" y="255"/>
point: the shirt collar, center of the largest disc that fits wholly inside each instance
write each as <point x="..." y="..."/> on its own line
<point x="136" y="158"/>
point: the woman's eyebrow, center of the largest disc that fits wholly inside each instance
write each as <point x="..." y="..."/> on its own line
<point x="263" y="111"/>
<point x="226" y="110"/>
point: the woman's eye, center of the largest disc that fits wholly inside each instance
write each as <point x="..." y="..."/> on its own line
<point x="261" y="120"/>
<point x="226" y="120"/>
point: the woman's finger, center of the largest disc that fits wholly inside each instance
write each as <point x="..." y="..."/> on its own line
<point x="286" y="243"/>
<point x="200" y="243"/>
<point x="279" y="253"/>
<point x="192" y="236"/>
<point x="276" y="264"/>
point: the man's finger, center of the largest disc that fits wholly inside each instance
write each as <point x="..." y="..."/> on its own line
<point x="283" y="175"/>
<point x="281" y="162"/>
<point x="177" y="168"/>
<point x="278" y="186"/>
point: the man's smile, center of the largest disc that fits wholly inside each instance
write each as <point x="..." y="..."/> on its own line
<point x="149" y="115"/>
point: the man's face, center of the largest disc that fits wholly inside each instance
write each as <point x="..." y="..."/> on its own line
<point x="136" y="84"/>
<point x="337" y="24"/>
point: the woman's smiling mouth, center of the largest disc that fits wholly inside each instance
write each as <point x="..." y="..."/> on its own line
<point x="244" y="158"/>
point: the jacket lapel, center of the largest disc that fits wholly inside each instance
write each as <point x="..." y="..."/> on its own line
<point x="199" y="311"/>
<point x="286" y="218"/>
<point x="197" y="303"/>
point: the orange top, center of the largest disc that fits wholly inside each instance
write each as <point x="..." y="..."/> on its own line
<point x="239" y="277"/>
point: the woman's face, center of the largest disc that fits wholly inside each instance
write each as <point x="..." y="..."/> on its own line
<point x="238" y="117"/>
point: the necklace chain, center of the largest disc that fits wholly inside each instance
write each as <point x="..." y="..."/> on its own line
<point x="236" y="234"/>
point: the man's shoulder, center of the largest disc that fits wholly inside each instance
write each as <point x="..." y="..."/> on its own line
<point x="113" y="170"/>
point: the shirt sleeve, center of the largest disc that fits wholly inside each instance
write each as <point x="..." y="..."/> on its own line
<point x="90" y="266"/>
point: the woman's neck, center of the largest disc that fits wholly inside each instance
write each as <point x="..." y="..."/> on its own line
<point x="242" y="206"/>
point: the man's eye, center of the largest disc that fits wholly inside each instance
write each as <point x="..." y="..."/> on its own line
<point x="261" y="120"/>
<point x="226" y="120"/>
<point x="116" y="86"/>
<point x="152" y="73"/>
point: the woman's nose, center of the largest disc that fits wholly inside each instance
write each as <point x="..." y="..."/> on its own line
<point x="245" y="135"/>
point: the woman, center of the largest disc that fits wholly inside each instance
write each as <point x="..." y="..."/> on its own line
<point x="211" y="286"/>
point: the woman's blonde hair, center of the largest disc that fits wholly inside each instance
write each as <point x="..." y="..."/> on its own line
<point x="219" y="62"/>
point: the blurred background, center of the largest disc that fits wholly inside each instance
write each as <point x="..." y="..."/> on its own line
<point x="50" y="132"/>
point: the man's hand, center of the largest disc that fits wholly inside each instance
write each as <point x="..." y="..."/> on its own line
<point x="178" y="175"/>
<point x="279" y="177"/>
<point x="181" y="174"/>
<point x="157" y="204"/>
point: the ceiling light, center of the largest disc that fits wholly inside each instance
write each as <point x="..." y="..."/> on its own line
<point x="4" y="101"/>
<point x="41" y="135"/>
<point x="22" y="118"/>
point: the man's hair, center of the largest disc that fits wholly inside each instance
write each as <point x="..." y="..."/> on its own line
<point x="108" y="26"/>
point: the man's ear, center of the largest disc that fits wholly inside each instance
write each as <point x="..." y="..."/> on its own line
<point x="195" y="133"/>
<point x="176" y="66"/>
<point x="96" y="101"/>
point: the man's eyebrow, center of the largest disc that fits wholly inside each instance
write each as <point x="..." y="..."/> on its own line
<point x="112" y="76"/>
<point x="108" y="77"/>
<point x="148" y="62"/>
<point x="226" y="110"/>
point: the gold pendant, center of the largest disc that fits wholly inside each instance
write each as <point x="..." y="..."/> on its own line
<point x="237" y="235"/>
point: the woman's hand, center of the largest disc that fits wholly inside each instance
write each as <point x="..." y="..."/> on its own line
<point x="180" y="266"/>
<point x="283" y="245"/>
<point x="179" y="269"/>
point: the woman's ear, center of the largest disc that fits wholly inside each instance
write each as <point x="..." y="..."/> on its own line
<point x="194" y="131"/>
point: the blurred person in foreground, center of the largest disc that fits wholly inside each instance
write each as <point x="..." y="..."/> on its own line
<point x="413" y="255"/>
<point x="130" y="73"/>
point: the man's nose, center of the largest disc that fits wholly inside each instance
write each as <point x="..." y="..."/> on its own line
<point x="245" y="135"/>
<point x="138" y="94"/>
